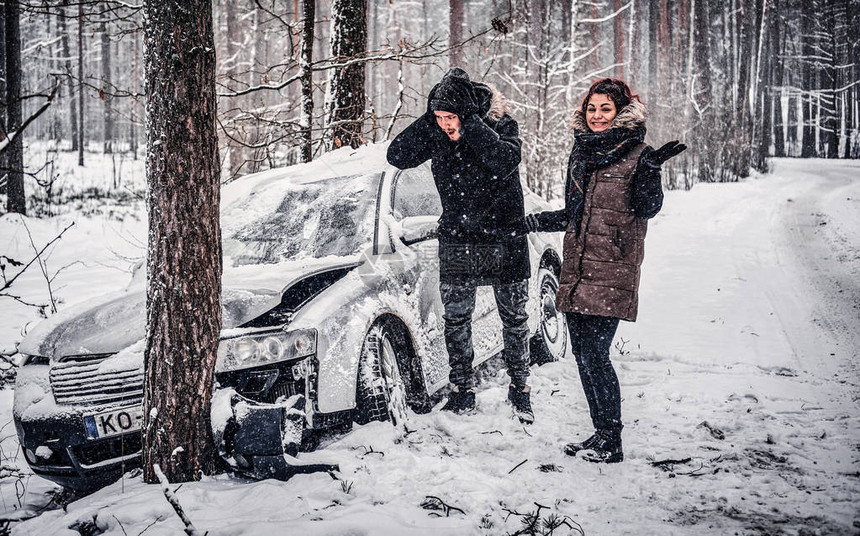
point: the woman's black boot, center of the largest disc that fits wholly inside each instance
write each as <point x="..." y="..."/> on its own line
<point x="572" y="448"/>
<point x="606" y="449"/>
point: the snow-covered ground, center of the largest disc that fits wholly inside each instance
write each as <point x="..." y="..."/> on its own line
<point x="743" y="368"/>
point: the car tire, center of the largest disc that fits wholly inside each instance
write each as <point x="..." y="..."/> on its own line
<point x="381" y="393"/>
<point x="549" y="342"/>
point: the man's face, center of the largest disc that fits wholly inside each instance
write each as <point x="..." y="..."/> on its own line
<point x="449" y="123"/>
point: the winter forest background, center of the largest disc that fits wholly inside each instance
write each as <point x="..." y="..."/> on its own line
<point x="738" y="80"/>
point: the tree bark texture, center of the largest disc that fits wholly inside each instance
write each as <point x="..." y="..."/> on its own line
<point x="305" y="60"/>
<point x="107" y="89"/>
<point x="67" y="66"/>
<point x="807" y="142"/>
<point x="346" y="98"/>
<point x="455" y="35"/>
<point x="81" y="125"/>
<point x="618" y="23"/>
<point x="15" y="200"/>
<point x="184" y="256"/>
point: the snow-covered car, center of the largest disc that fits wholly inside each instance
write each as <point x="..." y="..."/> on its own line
<point x="331" y="315"/>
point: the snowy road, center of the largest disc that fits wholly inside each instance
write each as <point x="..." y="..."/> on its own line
<point x="742" y="368"/>
<point x="775" y="260"/>
<point x="818" y="233"/>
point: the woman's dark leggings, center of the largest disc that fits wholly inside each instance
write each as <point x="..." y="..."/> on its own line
<point x="591" y="338"/>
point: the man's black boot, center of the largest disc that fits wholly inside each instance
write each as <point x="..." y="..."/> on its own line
<point x="460" y="400"/>
<point x="520" y="398"/>
<point x="606" y="449"/>
<point x="572" y="448"/>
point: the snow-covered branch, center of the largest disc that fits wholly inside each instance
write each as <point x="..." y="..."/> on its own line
<point x="174" y="502"/>
<point x="12" y="135"/>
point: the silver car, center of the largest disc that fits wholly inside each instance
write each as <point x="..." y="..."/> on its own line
<point x="331" y="315"/>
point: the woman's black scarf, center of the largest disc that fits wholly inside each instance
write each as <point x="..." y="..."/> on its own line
<point x="595" y="150"/>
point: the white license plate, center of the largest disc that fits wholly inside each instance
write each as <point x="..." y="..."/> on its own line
<point x="116" y="422"/>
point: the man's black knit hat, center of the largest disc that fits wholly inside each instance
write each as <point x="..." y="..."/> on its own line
<point x="445" y="97"/>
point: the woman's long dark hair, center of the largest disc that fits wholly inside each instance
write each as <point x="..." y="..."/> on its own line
<point x="616" y="89"/>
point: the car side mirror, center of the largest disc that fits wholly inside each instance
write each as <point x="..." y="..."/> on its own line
<point x="416" y="229"/>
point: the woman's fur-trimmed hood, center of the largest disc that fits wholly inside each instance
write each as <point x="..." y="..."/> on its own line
<point x="630" y="117"/>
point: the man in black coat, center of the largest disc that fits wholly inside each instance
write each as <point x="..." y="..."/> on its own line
<point x="475" y="150"/>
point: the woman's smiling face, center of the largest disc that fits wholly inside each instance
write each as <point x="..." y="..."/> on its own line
<point x="600" y="112"/>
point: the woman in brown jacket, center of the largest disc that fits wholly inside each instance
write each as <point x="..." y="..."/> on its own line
<point x="613" y="188"/>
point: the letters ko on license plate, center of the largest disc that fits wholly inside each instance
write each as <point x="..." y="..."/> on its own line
<point x="111" y="423"/>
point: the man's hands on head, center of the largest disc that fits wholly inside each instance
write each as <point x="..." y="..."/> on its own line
<point x="462" y="96"/>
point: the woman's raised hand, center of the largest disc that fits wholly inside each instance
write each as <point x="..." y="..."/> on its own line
<point x="656" y="158"/>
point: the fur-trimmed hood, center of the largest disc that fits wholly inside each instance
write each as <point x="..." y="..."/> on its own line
<point x="499" y="105"/>
<point x="630" y="117"/>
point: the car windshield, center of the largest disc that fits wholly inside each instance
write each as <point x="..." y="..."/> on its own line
<point x="330" y="217"/>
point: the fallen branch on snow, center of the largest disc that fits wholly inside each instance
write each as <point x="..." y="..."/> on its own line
<point x="534" y="525"/>
<point x="517" y="466"/>
<point x="669" y="462"/>
<point x="368" y="450"/>
<point x="174" y="501"/>
<point x="431" y="502"/>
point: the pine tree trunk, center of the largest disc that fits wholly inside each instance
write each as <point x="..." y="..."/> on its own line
<point x="833" y="27"/>
<point x="67" y="64"/>
<point x="619" y="38"/>
<point x="566" y="35"/>
<point x="132" y="124"/>
<point x="455" y="37"/>
<point x="777" y="50"/>
<point x="704" y="97"/>
<point x="653" y="57"/>
<point x="81" y="125"/>
<point x="346" y="97"/>
<point x="807" y="147"/>
<point x="2" y="89"/>
<point x="852" y="149"/>
<point x="184" y="257"/>
<point x="307" y="81"/>
<point x="15" y="200"/>
<point x="761" y="105"/>
<point x="107" y="85"/>
<point x="665" y="63"/>
<point x="236" y="152"/>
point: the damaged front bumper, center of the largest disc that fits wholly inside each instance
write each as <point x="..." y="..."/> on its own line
<point x="262" y="440"/>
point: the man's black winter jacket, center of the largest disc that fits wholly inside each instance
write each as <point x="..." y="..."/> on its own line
<point x="480" y="230"/>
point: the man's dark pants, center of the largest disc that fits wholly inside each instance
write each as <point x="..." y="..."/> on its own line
<point x="459" y="302"/>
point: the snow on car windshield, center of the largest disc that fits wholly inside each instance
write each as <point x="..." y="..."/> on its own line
<point x="306" y="220"/>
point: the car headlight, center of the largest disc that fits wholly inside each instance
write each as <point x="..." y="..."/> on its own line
<point x="256" y="349"/>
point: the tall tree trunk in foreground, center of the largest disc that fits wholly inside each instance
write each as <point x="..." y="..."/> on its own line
<point x="15" y="200"/>
<point x="305" y="58"/>
<point x="107" y="89"/>
<point x="346" y="98"/>
<point x="183" y="309"/>
<point x="455" y="36"/>
<point x="67" y="66"/>
<point x="81" y="125"/>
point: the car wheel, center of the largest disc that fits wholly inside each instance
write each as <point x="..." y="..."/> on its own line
<point x="549" y="342"/>
<point x="381" y="391"/>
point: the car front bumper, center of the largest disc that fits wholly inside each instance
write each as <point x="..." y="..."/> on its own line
<point x="262" y="440"/>
<point x="256" y="439"/>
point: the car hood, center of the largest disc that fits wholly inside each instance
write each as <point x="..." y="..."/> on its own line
<point x="110" y="323"/>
